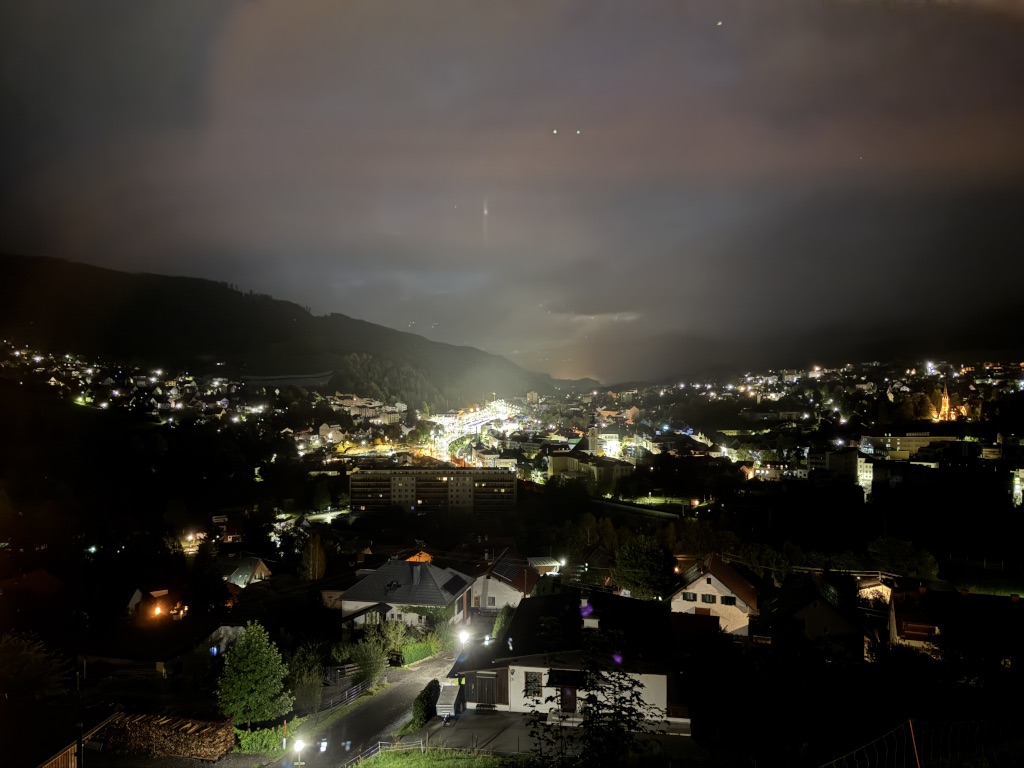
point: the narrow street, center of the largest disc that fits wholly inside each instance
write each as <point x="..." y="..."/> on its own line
<point x="374" y="720"/>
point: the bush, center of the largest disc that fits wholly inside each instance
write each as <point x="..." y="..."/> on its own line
<point x="442" y="638"/>
<point x="425" y="705"/>
<point x="415" y="651"/>
<point x="263" y="741"/>
<point x="502" y="620"/>
<point x="371" y="657"/>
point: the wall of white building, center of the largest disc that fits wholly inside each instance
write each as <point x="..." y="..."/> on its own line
<point x="734" y="619"/>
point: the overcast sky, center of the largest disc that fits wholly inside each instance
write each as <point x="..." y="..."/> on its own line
<point x="589" y="188"/>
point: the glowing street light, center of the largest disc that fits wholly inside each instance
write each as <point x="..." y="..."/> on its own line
<point x="464" y="637"/>
<point x="299" y="744"/>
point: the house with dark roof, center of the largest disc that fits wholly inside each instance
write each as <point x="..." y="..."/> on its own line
<point x="503" y="576"/>
<point x="543" y="655"/>
<point x="713" y="587"/>
<point x="397" y="588"/>
<point x="241" y="569"/>
<point x="810" y="611"/>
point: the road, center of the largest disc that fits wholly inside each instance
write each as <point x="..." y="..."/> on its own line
<point x="374" y="720"/>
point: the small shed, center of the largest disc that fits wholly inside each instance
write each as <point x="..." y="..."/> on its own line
<point x="450" y="701"/>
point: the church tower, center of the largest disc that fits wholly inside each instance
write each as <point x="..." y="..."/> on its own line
<point x="944" y="414"/>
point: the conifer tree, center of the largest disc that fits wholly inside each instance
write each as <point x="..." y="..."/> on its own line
<point x="251" y="687"/>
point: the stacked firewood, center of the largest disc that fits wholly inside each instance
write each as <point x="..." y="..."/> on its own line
<point x="168" y="735"/>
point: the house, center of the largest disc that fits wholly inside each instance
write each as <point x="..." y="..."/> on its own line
<point x="914" y="618"/>
<point x="713" y="587"/>
<point x="811" y="612"/>
<point x="241" y="570"/>
<point x="544" y="655"/>
<point x="502" y="576"/>
<point x="155" y="604"/>
<point x="396" y="589"/>
<point x="984" y="631"/>
<point x="154" y="649"/>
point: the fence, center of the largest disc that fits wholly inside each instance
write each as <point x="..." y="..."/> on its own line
<point x="926" y="744"/>
<point x="382" y="746"/>
<point x="351" y="694"/>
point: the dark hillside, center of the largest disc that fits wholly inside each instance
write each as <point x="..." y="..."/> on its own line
<point x="187" y="322"/>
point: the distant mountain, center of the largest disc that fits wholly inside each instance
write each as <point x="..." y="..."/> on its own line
<point x="156" y="320"/>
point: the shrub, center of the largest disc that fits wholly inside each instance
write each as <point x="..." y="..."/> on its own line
<point x="416" y="651"/>
<point x="371" y="657"/>
<point x="263" y="741"/>
<point x="425" y="705"/>
<point x="442" y="638"/>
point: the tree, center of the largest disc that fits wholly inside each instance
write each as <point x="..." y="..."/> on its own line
<point x="897" y="556"/>
<point x="502" y="620"/>
<point x="322" y="496"/>
<point x="314" y="559"/>
<point x="251" y="687"/>
<point x="615" y="713"/>
<point x="207" y="591"/>
<point x="394" y="635"/>
<point x="370" y="655"/>
<point x="307" y="677"/>
<point x="29" y="671"/>
<point x="643" y="567"/>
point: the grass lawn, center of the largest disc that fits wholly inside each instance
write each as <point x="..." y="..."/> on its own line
<point x="435" y="758"/>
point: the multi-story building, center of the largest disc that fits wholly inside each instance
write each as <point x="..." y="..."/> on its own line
<point x="900" y="446"/>
<point x="433" y="490"/>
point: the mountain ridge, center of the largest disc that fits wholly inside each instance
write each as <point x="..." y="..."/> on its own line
<point x="151" y="319"/>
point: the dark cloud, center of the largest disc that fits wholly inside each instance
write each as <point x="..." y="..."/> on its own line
<point x="722" y="173"/>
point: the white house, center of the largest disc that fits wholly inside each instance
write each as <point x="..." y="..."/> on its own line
<point x="712" y="587"/>
<point x="519" y="671"/>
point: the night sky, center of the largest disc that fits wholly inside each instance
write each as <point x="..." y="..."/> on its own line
<point x="614" y="189"/>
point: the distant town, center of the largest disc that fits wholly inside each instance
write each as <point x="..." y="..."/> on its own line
<point x="841" y="540"/>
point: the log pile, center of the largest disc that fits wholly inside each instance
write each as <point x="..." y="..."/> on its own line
<point x="167" y="735"/>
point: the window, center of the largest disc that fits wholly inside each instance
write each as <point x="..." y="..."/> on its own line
<point x="708" y="598"/>
<point x="728" y="600"/>
<point x="398" y="617"/>
<point x="709" y="579"/>
<point x="420" y="619"/>
<point x="690" y="597"/>
<point x="533" y="688"/>
<point x="490" y="601"/>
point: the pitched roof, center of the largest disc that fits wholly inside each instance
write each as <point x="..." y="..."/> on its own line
<point x="402" y="582"/>
<point x="733" y="580"/>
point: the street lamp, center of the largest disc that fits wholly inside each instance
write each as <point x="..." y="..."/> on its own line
<point x="299" y="744"/>
<point x="464" y="636"/>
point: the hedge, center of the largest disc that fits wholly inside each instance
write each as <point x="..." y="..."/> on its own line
<point x="417" y="651"/>
<point x="425" y="705"/>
